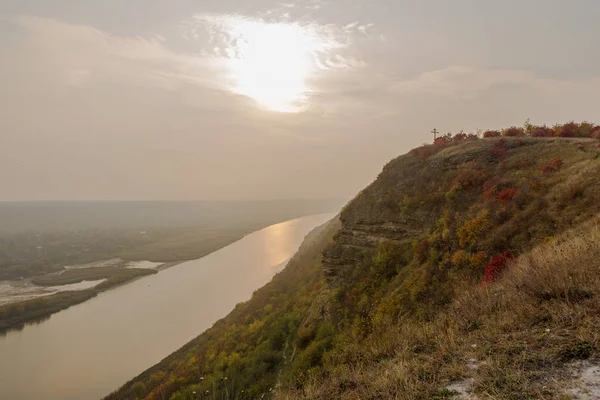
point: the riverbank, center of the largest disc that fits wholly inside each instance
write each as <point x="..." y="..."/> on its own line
<point x="171" y="252"/>
<point x="15" y="316"/>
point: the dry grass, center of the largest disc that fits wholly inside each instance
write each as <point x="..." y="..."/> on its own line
<point x="513" y="339"/>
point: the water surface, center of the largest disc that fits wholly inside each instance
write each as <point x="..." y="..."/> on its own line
<point x="91" y="349"/>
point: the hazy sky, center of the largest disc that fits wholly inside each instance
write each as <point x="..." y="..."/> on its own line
<point x="260" y="99"/>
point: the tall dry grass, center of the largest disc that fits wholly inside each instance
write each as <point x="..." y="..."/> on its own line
<point x="511" y="340"/>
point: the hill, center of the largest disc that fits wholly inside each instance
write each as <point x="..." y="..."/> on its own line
<point x="468" y="265"/>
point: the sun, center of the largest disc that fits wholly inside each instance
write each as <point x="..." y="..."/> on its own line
<point x="271" y="62"/>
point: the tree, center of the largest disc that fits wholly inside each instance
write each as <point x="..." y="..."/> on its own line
<point x="139" y="388"/>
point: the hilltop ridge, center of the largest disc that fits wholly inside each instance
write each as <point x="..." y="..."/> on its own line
<point x="428" y="285"/>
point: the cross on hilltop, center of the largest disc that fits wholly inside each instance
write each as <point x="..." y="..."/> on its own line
<point x="435" y="132"/>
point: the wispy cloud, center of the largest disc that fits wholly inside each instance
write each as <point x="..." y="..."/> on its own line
<point x="461" y="81"/>
<point x="80" y="53"/>
<point x="251" y="56"/>
<point x="469" y="82"/>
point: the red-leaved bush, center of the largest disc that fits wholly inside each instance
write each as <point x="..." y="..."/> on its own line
<point x="541" y="131"/>
<point x="495" y="267"/>
<point x="491" y="134"/>
<point x="442" y="141"/>
<point x="570" y="129"/>
<point x="514" y="131"/>
<point x="553" y="166"/>
<point x="506" y="195"/>
<point x="424" y="152"/>
<point x="470" y="175"/>
<point x="490" y="187"/>
<point x="500" y="149"/>
<point x="459" y="137"/>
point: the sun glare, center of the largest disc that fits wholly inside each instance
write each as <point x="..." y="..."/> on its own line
<point x="271" y="62"/>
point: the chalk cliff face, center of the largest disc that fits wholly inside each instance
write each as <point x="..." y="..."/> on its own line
<point x="382" y="213"/>
<point x="357" y="237"/>
<point x="473" y="200"/>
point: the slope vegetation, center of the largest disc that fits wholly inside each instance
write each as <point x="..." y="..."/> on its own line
<point x="449" y="272"/>
<point x="524" y="336"/>
<point x="241" y="355"/>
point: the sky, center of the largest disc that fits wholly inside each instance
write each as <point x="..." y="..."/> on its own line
<point x="260" y="99"/>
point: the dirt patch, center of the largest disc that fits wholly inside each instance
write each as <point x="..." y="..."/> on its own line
<point x="586" y="385"/>
<point x="462" y="390"/>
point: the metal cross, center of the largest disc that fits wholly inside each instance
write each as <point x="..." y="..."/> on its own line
<point x="435" y="132"/>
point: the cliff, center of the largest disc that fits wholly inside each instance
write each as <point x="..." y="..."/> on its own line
<point x="430" y="287"/>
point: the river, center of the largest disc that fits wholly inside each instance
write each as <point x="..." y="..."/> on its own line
<point x="91" y="349"/>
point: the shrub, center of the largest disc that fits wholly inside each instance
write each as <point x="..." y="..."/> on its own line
<point x="506" y="195"/>
<point x="424" y="152"/>
<point x="442" y="140"/>
<point x="569" y="130"/>
<point x="513" y="131"/>
<point x="305" y="336"/>
<point x="541" y="131"/>
<point x="585" y="129"/>
<point x="492" y="187"/>
<point x="595" y="132"/>
<point x="500" y="149"/>
<point x="491" y="134"/>
<point x="473" y="230"/>
<point x="495" y="267"/>
<point x="459" y="137"/>
<point x="553" y="166"/>
<point x="422" y="251"/>
<point x="139" y="388"/>
<point x="470" y="175"/>
<point x="460" y="258"/>
<point x="384" y="261"/>
<point x="177" y="396"/>
<point x="157" y="378"/>
<point x="478" y="259"/>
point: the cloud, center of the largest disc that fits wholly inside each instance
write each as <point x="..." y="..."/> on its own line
<point x="79" y="55"/>
<point x="467" y="83"/>
<point x="461" y="81"/>
<point x="76" y="54"/>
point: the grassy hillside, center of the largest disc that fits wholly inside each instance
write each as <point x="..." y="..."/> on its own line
<point x="245" y="350"/>
<point x="469" y="260"/>
<point x="518" y="338"/>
